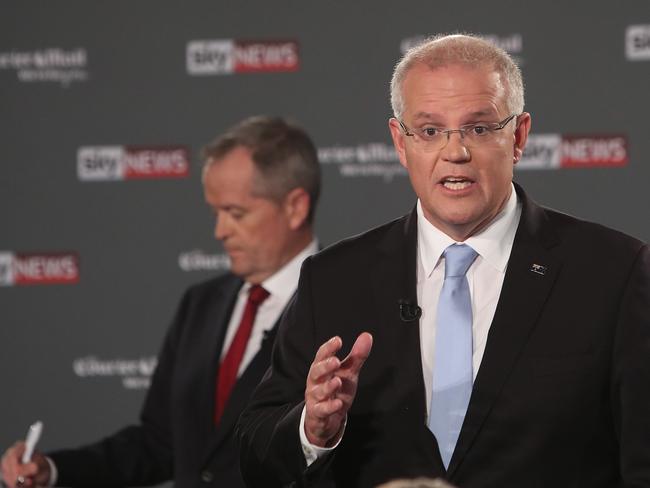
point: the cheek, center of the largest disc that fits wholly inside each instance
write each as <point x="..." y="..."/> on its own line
<point x="420" y="169"/>
<point x="496" y="167"/>
<point x="266" y="237"/>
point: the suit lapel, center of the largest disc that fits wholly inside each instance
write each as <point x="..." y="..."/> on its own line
<point x="394" y="280"/>
<point x="210" y="326"/>
<point x="215" y="323"/>
<point x="241" y="392"/>
<point x="244" y="386"/>
<point x="532" y="271"/>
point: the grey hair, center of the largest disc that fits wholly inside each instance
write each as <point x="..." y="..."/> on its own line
<point x="284" y="156"/>
<point x="464" y="49"/>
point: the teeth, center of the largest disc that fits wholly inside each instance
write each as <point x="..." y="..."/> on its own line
<point x="456" y="185"/>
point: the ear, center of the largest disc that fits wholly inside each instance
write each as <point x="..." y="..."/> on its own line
<point x="399" y="139"/>
<point x="521" y="135"/>
<point x="296" y="207"/>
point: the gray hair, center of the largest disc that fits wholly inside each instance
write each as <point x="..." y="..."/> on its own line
<point x="283" y="154"/>
<point x="463" y="49"/>
<point x="416" y="483"/>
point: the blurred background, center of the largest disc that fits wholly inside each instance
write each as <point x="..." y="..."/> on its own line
<point x="104" y="107"/>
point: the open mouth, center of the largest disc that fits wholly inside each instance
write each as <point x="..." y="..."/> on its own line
<point x="456" y="183"/>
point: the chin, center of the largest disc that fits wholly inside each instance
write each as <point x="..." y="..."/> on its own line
<point x="238" y="269"/>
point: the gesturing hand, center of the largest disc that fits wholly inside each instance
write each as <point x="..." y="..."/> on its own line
<point x="331" y="388"/>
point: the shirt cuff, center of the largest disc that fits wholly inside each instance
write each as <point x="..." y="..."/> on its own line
<point x="54" y="473"/>
<point x="312" y="452"/>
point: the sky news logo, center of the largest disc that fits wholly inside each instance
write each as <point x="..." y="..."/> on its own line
<point x="229" y="56"/>
<point x="116" y="163"/>
<point x="18" y="269"/>
<point x="637" y="43"/>
<point x="555" y="151"/>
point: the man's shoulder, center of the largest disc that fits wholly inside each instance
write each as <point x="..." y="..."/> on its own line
<point x="224" y="283"/>
<point x="592" y="236"/>
<point x="364" y="245"/>
<point x="203" y="300"/>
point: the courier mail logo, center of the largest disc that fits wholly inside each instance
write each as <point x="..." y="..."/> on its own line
<point x="52" y="64"/>
<point x="134" y="373"/>
<point x="115" y="163"/>
<point x="228" y="56"/>
<point x="555" y="151"/>
<point x="637" y="43"/>
<point x="370" y="160"/>
<point x="197" y="260"/>
<point x="38" y="269"/>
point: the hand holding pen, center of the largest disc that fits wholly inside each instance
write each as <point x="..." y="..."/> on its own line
<point x="22" y="465"/>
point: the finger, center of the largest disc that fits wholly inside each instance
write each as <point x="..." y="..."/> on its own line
<point x="18" y="448"/>
<point x="359" y="353"/>
<point x="328" y="348"/>
<point x="325" y="391"/>
<point x="14" y="453"/>
<point x="325" y="409"/>
<point x="29" y="469"/>
<point x="10" y="462"/>
<point x="323" y="370"/>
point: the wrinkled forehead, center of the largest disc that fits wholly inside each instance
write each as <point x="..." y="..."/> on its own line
<point x="477" y="90"/>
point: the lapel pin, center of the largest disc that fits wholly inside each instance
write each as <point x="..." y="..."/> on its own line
<point x="539" y="269"/>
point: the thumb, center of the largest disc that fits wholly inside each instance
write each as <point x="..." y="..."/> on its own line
<point x="359" y="353"/>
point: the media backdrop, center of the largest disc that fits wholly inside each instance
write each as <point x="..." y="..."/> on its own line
<point x="104" y="107"/>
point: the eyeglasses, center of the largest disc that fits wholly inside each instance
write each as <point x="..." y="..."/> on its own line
<point x="433" y="138"/>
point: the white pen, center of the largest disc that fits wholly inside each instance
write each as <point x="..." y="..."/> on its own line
<point x="33" y="435"/>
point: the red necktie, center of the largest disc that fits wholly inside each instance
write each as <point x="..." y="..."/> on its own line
<point x="230" y="365"/>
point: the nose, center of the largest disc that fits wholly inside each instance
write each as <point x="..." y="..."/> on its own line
<point x="222" y="226"/>
<point x="455" y="150"/>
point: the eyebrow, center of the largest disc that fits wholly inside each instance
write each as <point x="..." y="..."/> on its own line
<point x="471" y="115"/>
<point x="226" y="207"/>
<point x="482" y="113"/>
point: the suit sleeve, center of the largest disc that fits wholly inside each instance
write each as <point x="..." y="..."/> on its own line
<point x="631" y="375"/>
<point x="270" y="448"/>
<point x="138" y="454"/>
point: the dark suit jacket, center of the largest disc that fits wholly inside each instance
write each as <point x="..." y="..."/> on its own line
<point x="562" y="396"/>
<point x="176" y="438"/>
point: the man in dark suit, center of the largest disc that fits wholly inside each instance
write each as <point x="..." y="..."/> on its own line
<point x="261" y="179"/>
<point x="482" y="338"/>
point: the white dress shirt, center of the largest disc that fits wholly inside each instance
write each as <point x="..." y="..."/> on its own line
<point x="485" y="278"/>
<point x="281" y="286"/>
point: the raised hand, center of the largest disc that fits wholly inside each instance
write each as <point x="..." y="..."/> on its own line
<point x="331" y="388"/>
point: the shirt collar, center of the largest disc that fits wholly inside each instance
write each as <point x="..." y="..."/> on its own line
<point x="284" y="282"/>
<point x="493" y="243"/>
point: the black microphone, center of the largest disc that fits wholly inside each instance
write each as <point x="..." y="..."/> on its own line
<point x="408" y="311"/>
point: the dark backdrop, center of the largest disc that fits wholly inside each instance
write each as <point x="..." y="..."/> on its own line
<point x="94" y="259"/>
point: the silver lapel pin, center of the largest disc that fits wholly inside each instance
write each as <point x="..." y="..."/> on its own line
<point x="539" y="269"/>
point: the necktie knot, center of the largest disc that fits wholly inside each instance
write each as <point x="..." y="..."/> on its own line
<point x="458" y="259"/>
<point x="257" y="294"/>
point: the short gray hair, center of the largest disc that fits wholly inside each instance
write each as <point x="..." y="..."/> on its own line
<point x="464" y="49"/>
<point x="284" y="156"/>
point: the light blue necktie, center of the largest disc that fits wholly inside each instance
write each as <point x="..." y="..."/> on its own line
<point x="452" y="369"/>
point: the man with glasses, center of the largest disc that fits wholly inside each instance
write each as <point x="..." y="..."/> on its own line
<point x="481" y="339"/>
